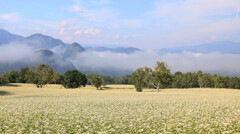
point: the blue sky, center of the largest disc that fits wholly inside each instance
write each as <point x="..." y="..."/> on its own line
<point x="145" y="24"/>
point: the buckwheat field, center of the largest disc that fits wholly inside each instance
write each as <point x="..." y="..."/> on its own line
<point x="117" y="109"/>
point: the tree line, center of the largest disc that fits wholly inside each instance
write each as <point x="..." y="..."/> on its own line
<point x="43" y="74"/>
<point x="160" y="77"/>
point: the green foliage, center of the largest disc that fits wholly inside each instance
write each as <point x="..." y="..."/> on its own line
<point x="22" y="78"/>
<point x="1" y="81"/>
<point x="74" y="79"/>
<point x="189" y="80"/>
<point x="10" y="77"/>
<point x="146" y="77"/>
<point x="30" y="76"/>
<point x="138" y="79"/>
<point x="42" y="75"/>
<point x="177" y="79"/>
<point x="98" y="82"/>
<point x="56" y="79"/>
<point x="161" y="76"/>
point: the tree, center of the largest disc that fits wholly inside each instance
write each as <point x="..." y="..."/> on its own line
<point x="177" y="78"/>
<point x="160" y="77"/>
<point x="138" y="79"/>
<point x="42" y="75"/>
<point x="97" y="82"/>
<point x="74" y="79"/>
<point x="189" y="80"/>
<point x="22" y="78"/>
<point x="12" y="77"/>
<point x="30" y="76"/>
<point x="56" y="79"/>
<point x="201" y="80"/>
<point x="1" y="81"/>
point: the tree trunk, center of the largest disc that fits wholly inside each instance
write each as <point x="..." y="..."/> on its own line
<point x="158" y="88"/>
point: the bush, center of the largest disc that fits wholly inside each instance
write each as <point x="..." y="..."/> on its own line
<point x="97" y="82"/>
<point x="74" y="79"/>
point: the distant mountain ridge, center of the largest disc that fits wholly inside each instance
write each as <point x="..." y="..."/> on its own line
<point x="72" y="50"/>
<point x="7" y="37"/>
<point x="224" y="47"/>
<point x="55" y="52"/>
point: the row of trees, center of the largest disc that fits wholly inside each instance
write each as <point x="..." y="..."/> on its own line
<point x="158" y="78"/>
<point x="40" y="76"/>
<point x="161" y="77"/>
<point x="43" y="75"/>
<point x="206" y="80"/>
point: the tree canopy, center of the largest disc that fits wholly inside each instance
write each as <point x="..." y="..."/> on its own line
<point x="98" y="82"/>
<point x="74" y="79"/>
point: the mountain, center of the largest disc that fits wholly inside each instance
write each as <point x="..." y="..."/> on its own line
<point x="6" y="37"/>
<point x="73" y="50"/>
<point x="223" y="47"/>
<point x="38" y="41"/>
<point x="126" y="50"/>
<point x="59" y="55"/>
<point x="56" y="62"/>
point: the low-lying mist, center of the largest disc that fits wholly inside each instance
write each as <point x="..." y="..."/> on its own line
<point x="224" y="64"/>
<point x="121" y="64"/>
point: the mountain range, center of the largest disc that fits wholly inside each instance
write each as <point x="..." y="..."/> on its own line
<point x="61" y="56"/>
<point x="54" y="52"/>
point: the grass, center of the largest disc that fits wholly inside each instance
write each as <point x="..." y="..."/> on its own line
<point x="117" y="109"/>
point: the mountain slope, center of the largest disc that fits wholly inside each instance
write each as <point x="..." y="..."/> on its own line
<point x="38" y="41"/>
<point x="73" y="50"/>
<point x="7" y="37"/>
<point x="56" y="62"/>
<point x="221" y="47"/>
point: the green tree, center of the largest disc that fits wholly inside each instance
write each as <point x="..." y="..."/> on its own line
<point x="56" y="79"/>
<point x="138" y="79"/>
<point x="218" y="81"/>
<point x="97" y="82"/>
<point x="177" y="78"/>
<point x="1" y="81"/>
<point x="22" y="78"/>
<point x="189" y="80"/>
<point x="42" y="75"/>
<point x="160" y="77"/>
<point x="12" y="77"/>
<point x="235" y="83"/>
<point x="74" y="79"/>
<point x="30" y="76"/>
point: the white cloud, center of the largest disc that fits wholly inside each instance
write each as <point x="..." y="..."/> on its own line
<point x="62" y="31"/>
<point x="13" y="17"/>
<point x="194" y="8"/>
<point x="67" y="38"/>
<point x="192" y="22"/>
<point x="184" y="62"/>
<point x="92" y="31"/>
<point x="78" y="32"/>
<point x="15" y="52"/>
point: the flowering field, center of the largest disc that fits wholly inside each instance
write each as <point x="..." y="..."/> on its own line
<point x="117" y="109"/>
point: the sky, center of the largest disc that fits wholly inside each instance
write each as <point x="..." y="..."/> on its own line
<point x="146" y="24"/>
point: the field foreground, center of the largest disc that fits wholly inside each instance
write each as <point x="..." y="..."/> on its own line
<point x="117" y="109"/>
